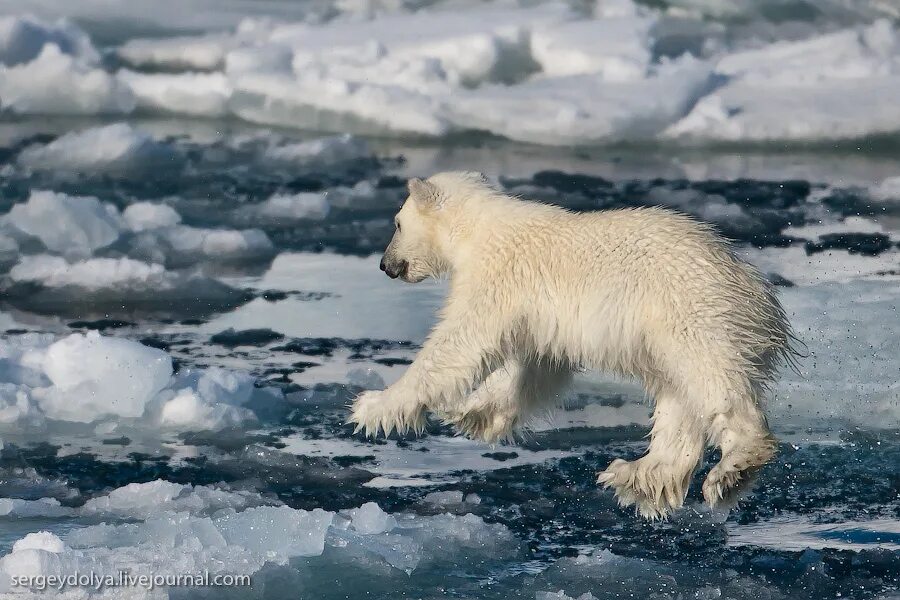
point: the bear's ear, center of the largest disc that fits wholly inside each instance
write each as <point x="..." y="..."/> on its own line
<point x="425" y="193"/>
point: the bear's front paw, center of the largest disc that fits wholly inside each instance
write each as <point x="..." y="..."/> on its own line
<point x="375" y="411"/>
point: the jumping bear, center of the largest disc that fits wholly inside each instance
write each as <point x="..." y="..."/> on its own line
<point x="538" y="292"/>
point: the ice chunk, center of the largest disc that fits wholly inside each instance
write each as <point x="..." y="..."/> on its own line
<point x="181" y="245"/>
<point x="144" y="500"/>
<point x="41" y="540"/>
<point x="15" y="405"/>
<point x="94" y="376"/>
<point x="826" y="87"/>
<point x="369" y="519"/>
<point x="187" y="409"/>
<point x="889" y="189"/>
<point x="44" y="507"/>
<point x="204" y="53"/>
<point x="149" y="215"/>
<point x="117" y="148"/>
<point x="616" y="49"/>
<point x="91" y="274"/>
<point x="367" y="379"/>
<point x="303" y="206"/>
<point x="321" y="152"/>
<point x="202" y="94"/>
<point x="35" y="87"/>
<point x="208" y="399"/>
<point x="22" y="38"/>
<point x="277" y="531"/>
<point x="561" y="595"/>
<point x="70" y="225"/>
<point x="584" y="108"/>
<point x="444" y="498"/>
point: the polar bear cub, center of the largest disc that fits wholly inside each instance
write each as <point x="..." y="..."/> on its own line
<point x="537" y="292"/>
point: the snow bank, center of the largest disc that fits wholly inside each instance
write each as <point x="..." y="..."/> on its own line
<point x="203" y="528"/>
<point x="86" y="378"/>
<point x="117" y="148"/>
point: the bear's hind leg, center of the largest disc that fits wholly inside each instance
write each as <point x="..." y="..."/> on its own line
<point x="657" y="482"/>
<point x="746" y="446"/>
<point x="508" y="396"/>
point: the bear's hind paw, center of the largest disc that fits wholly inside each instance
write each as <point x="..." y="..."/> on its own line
<point x="651" y="486"/>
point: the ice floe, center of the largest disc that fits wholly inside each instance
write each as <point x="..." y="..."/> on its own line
<point x="205" y="528"/>
<point x="86" y="378"/>
<point x="549" y="73"/>
<point x="69" y="225"/>
<point x="117" y="148"/>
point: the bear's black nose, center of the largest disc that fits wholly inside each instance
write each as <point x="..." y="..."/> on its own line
<point x="381" y="266"/>
<point x="394" y="270"/>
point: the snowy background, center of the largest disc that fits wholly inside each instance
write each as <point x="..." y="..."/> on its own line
<point x="193" y="200"/>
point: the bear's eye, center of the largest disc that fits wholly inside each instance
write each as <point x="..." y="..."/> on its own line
<point x="397" y="223"/>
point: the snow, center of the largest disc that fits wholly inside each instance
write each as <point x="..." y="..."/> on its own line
<point x="117" y="148"/>
<point x="69" y="225"/>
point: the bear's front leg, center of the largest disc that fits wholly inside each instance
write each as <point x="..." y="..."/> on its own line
<point x="386" y="411"/>
<point x="509" y="397"/>
<point x="456" y="358"/>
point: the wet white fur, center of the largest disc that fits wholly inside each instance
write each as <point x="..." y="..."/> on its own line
<point x="537" y="291"/>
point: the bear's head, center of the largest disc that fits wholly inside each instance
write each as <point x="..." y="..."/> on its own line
<point x="424" y="228"/>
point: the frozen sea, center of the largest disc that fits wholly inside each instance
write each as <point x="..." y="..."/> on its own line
<point x="193" y="201"/>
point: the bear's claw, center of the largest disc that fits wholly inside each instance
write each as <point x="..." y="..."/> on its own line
<point x="375" y="412"/>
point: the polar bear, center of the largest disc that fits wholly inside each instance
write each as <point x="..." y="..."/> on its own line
<point x="537" y="292"/>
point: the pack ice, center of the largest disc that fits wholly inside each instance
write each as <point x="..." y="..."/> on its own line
<point x="547" y="73"/>
<point x="241" y="533"/>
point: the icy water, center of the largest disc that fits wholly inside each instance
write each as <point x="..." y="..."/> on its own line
<point x="214" y="438"/>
